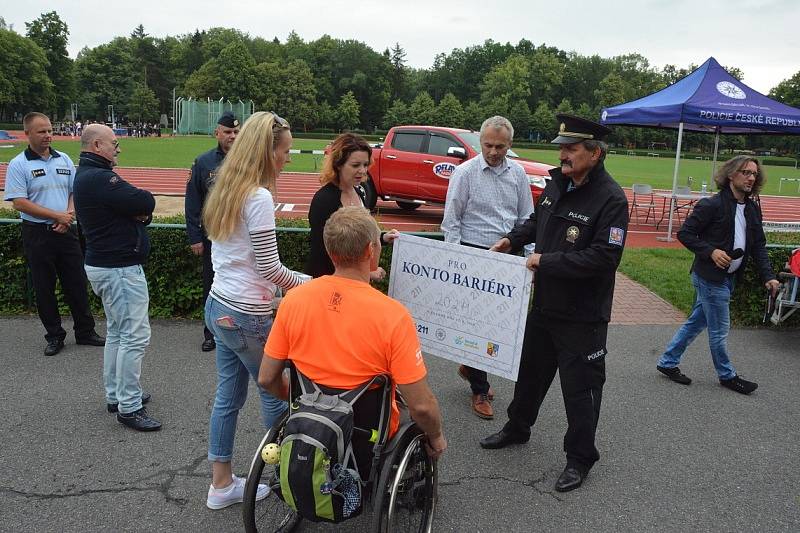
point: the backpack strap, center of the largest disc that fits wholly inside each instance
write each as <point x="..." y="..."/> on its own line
<point x="306" y="385"/>
<point x="353" y="395"/>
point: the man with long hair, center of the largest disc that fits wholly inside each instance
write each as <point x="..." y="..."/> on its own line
<point x="723" y="232"/>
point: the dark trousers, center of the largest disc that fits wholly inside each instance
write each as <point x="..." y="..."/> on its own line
<point x="54" y="255"/>
<point x="478" y="379"/>
<point x="577" y="351"/>
<point x="208" y="279"/>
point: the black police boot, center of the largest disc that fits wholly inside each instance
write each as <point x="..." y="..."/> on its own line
<point x="503" y="438"/>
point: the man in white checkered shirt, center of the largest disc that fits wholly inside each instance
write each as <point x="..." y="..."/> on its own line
<point x="486" y="197"/>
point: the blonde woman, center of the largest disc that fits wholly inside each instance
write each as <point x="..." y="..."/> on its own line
<point x="239" y="217"/>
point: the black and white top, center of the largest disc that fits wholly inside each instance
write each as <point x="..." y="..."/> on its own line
<point x="247" y="266"/>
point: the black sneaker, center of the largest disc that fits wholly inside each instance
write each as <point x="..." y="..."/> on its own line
<point x="742" y="386"/>
<point x="139" y="420"/>
<point x="675" y="375"/>
<point x="114" y="407"/>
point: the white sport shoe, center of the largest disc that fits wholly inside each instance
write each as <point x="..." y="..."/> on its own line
<point x="233" y="493"/>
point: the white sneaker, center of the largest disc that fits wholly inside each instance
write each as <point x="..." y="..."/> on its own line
<point x="232" y="494"/>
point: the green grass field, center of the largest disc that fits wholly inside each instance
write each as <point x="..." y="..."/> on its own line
<point x="179" y="152"/>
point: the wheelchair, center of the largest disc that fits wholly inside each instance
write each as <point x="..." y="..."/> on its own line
<point x="399" y="479"/>
<point x="786" y="301"/>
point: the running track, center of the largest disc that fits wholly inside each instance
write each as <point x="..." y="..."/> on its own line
<point x="295" y="191"/>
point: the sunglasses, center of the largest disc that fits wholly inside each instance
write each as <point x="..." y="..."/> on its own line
<point x="279" y="121"/>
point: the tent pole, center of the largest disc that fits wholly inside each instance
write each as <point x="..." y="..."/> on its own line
<point x="716" y="150"/>
<point x="672" y="199"/>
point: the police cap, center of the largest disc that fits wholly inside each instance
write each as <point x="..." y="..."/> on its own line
<point x="574" y="129"/>
<point x="228" y="120"/>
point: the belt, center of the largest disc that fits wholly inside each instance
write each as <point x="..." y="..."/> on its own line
<point x="43" y="225"/>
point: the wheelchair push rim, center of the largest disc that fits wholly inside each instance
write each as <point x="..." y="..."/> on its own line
<point x="409" y="494"/>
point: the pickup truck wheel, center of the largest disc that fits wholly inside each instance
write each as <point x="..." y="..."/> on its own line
<point x="408" y="206"/>
<point x="371" y="195"/>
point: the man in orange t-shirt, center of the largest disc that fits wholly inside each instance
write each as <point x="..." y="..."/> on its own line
<point x="340" y="332"/>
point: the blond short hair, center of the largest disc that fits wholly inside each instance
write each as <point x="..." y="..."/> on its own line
<point x="347" y="233"/>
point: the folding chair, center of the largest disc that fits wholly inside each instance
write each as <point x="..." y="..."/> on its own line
<point x="643" y="199"/>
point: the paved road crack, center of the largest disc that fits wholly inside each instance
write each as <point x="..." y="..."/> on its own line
<point x="531" y="483"/>
<point x="163" y="487"/>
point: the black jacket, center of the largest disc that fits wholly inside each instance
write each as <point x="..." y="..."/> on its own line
<point x="712" y="225"/>
<point x="327" y="200"/>
<point x="201" y="178"/>
<point x="580" y="235"/>
<point x="106" y="206"/>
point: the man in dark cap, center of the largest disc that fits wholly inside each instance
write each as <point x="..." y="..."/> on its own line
<point x="201" y="178"/>
<point x="579" y="227"/>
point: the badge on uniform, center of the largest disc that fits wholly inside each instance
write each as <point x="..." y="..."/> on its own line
<point x="616" y="236"/>
<point x="572" y="234"/>
<point x="113" y="179"/>
<point x="38" y="172"/>
<point x="63" y="171"/>
<point x="597" y="354"/>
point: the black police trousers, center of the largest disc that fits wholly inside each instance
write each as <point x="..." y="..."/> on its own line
<point x="577" y="351"/>
<point x="54" y="255"/>
<point x="208" y="279"/>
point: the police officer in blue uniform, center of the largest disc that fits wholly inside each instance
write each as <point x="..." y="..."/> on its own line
<point x="579" y="227"/>
<point x="39" y="184"/>
<point x="201" y="178"/>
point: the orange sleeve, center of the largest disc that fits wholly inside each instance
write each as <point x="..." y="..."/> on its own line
<point x="277" y="345"/>
<point x="405" y="360"/>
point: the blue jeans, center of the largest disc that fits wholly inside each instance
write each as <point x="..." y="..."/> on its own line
<point x="711" y="310"/>
<point x="125" y="301"/>
<point x="240" y="348"/>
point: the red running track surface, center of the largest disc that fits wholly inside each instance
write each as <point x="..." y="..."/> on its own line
<point x="295" y="191"/>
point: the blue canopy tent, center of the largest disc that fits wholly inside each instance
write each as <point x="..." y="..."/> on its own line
<point x="708" y="100"/>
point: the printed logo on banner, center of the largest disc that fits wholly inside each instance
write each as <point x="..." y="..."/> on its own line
<point x="604" y="115"/>
<point x="444" y="170"/>
<point x="492" y="349"/>
<point x="730" y="90"/>
<point x="440" y="334"/>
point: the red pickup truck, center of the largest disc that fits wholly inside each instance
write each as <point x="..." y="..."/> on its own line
<point x="413" y="165"/>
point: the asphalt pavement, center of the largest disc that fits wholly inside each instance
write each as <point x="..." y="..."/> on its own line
<point x="674" y="458"/>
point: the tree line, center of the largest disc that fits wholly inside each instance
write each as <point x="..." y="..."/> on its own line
<point x="333" y="84"/>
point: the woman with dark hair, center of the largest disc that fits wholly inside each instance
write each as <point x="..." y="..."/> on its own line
<point x="343" y="172"/>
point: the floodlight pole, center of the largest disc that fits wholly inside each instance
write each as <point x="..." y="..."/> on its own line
<point x="73" y="108"/>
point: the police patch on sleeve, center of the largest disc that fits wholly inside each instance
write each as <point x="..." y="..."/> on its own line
<point x="616" y="236"/>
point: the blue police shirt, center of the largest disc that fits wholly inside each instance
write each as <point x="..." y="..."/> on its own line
<point x="45" y="182"/>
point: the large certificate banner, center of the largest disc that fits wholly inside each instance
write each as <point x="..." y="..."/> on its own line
<point x="470" y="305"/>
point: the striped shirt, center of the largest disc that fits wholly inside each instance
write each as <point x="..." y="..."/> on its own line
<point x="484" y="202"/>
<point x="247" y="267"/>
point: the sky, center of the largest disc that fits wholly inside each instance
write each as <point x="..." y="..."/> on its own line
<point x="759" y="37"/>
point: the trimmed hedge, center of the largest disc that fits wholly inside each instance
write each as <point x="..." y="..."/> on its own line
<point x="174" y="274"/>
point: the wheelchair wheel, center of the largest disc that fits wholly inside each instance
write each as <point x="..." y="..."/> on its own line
<point x="270" y="514"/>
<point x="406" y="496"/>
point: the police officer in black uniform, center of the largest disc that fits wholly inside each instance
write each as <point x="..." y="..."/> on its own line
<point x="579" y="227"/>
<point x="201" y="179"/>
